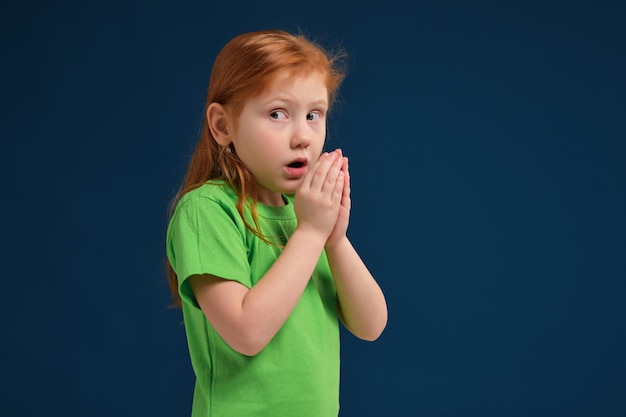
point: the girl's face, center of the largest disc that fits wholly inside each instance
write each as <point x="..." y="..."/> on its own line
<point x="281" y="133"/>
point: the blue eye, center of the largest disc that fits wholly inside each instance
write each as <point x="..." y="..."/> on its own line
<point x="278" y="115"/>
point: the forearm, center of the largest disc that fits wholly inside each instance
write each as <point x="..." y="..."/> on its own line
<point x="361" y="301"/>
<point x="248" y="318"/>
<point x="268" y="304"/>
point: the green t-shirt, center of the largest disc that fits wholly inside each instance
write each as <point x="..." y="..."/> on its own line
<point x="297" y="374"/>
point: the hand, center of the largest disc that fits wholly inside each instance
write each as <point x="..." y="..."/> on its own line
<point x="319" y="195"/>
<point x="343" y="218"/>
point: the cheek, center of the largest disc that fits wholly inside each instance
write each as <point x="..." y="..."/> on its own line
<point x="252" y="144"/>
<point x="321" y="135"/>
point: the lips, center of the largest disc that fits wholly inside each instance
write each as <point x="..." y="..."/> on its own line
<point x="296" y="168"/>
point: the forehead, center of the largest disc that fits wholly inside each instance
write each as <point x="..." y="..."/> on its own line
<point x="310" y="83"/>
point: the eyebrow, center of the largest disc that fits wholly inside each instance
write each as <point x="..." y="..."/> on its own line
<point x="323" y="102"/>
<point x="314" y="103"/>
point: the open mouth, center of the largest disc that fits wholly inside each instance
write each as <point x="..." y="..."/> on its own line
<point x="296" y="168"/>
<point x="296" y="164"/>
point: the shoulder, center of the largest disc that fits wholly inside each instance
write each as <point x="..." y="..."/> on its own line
<point x="217" y="191"/>
<point x="213" y="199"/>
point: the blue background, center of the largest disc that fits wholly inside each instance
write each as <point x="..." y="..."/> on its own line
<point x="488" y="155"/>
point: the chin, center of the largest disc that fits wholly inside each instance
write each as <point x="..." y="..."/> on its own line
<point x="288" y="185"/>
<point x="291" y="189"/>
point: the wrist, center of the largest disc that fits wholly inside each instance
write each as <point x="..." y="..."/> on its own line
<point x="335" y="244"/>
<point x="310" y="235"/>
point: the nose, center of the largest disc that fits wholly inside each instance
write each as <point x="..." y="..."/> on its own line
<point x="301" y="135"/>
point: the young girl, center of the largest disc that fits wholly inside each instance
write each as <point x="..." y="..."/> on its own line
<point x="258" y="254"/>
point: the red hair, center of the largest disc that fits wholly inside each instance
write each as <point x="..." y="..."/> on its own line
<point x="242" y="70"/>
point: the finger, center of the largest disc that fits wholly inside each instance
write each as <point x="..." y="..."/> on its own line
<point x="309" y="176"/>
<point x="345" y="201"/>
<point x="345" y="196"/>
<point x="320" y="172"/>
<point x="333" y="174"/>
<point x="337" y="195"/>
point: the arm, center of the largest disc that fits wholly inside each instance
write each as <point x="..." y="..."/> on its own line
<point x="362" y="305"/>
<point x="248" y="318"/>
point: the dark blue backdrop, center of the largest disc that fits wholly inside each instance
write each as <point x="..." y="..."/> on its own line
<point x="487" y="148"/>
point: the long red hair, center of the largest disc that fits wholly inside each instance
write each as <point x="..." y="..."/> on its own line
<point x="242" y="70"/>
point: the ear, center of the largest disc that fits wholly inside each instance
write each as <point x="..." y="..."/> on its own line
<point x="217" y="119"/>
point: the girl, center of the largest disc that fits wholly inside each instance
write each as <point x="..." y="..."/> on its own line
<point x="258" y="254"/>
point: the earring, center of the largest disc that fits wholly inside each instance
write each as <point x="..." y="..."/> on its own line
<point x="227" y="148"/>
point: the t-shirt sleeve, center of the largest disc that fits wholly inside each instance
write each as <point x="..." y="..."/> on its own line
<point x="205" y="238"/>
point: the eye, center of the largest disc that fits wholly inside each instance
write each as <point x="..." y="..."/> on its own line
<point x="315" y="115"/>
<point x="278" y="115"/>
